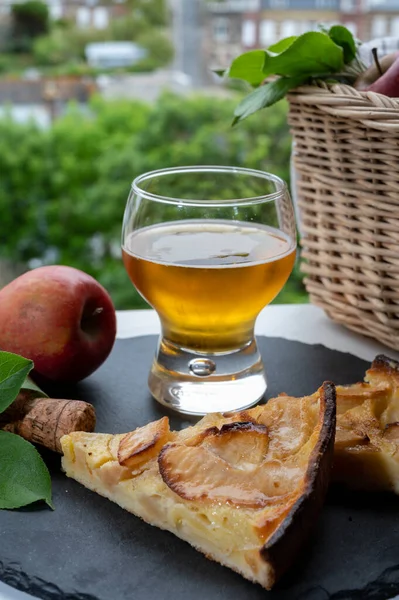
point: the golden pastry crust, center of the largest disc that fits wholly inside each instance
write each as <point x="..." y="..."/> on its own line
<point x="366" y="454"/>
<point x="244" y="488"/>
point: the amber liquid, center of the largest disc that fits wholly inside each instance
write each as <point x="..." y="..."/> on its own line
<point x="208" y="280"/>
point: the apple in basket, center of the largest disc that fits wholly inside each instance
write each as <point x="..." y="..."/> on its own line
<point x="381" y="77"/>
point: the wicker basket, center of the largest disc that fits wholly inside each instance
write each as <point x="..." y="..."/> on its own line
<point x="346" y="157"/>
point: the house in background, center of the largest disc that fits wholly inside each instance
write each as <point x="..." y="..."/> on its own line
<point x="235" y="26"/>
<point x="284" y="18"/>
<point x="43" y="99"/>
<point x="352" y="16"/>
<point x="227" y="23"/>
<point x="84" y="13"/>
<point x="108" y="55"/>
<point x="381" y="18"/>
<point x="87" y="13"/>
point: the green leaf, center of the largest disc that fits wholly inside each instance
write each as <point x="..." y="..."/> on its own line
<point x="24" y="478"/>
<point x="13" y="371"/>
<point x="29" y="384"/>
<point x="282" y="44"/>
<point x="341" y="36"/>
<point x="249" y="66"/>
<point x="310" y="54"/>
<point x="266" y="95"/>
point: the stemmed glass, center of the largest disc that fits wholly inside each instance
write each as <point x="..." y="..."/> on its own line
<point x="208" y="248"/>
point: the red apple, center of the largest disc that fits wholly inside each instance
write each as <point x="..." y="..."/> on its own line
<point x="388" y="83"/>
<point x="59" y="317"/>
<point x="372" y="74"/>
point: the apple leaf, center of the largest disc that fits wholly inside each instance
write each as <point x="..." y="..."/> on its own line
<point x="24" y="478"/>
<point x="341" y="36"/>
<point x="311" y="53"/>
<point x="308" y="57"/>
<point x="249" y="66"/>
<point x="266" y="95"/>
<point x="282" y="44"/>
<point x="29" y="384"/>
<point x="13" y="372"/>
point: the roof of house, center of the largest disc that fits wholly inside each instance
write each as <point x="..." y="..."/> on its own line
<point x="114" y="49"/>
<point x="383" y="5"/>
<point x="301" y="4"/>
<point x="20" y="91"/>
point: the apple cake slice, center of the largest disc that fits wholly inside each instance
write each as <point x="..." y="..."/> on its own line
<point x="244" y="488"/>
<point x="366" y="454"/>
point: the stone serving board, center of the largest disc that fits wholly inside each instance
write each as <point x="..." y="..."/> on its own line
<point x="90" y="549"/>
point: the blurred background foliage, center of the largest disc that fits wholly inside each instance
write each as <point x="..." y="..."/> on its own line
<point x="57" y="47"/>
<point x="63" y="47"/>
<point x="29" y="20"/>
<point x="63" y="189"/>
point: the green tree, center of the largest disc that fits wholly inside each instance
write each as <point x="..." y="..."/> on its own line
<point x="159" y="48"/>
<point x="63" y="190"/>
<point x="66" y="45"/>
<point x="146" y="23"/>
<point x="154" y="12"/>
<point x="54" y="48"/>
<point x="29" y="20"/>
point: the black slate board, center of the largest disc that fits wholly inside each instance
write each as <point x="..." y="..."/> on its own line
<point x="90" y="549"/>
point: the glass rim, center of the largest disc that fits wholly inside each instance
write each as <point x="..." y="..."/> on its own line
<point x="280" y="184"/>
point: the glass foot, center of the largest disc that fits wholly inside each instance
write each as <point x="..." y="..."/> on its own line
<point x="196" y="384"/>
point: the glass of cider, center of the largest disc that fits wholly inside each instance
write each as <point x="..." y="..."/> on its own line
<point x="208" y="247"/>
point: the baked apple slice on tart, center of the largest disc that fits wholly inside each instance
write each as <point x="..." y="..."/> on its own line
<point x="367" y="437"/>
<point x="244" y="488"/>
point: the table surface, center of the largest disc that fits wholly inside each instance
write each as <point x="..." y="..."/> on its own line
<point x="300" y="322"/>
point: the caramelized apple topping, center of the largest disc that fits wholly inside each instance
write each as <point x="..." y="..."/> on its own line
<point x="360" y="422"/>
<point x="345" y="437"/>
<point x="365" y="409"/>
<point x="250" y="464"/>
<point x="367" y="436"/>
<point x="243" y="445"/>
<point x="391" y="433"/>
<point x="195" y="473"/>
<point x="354" y="395"/>
<point x="383" y="363"/>
<point x="144" y="443"/>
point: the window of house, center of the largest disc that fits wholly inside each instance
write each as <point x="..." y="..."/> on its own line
<point x="289" y="28"/>
<point x="395" y="27"/>
<point x="83" y="17"/>
<point x="55" y="9"/>
<point x="304" y="26"/>
<point x="326" y="4"/>
<point x="267" y="32"/>
<point x="278" y="3"/>
<point x="221" y="30"/>
<point x="100" y="17"/>
<point x="352" y="27"/>
<point x="248" y="33"/>
<point x="347" y="5"/>
<point x="373" y="4"/>
<point x="378" y="26"/>
<point x="5" y="9"/>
